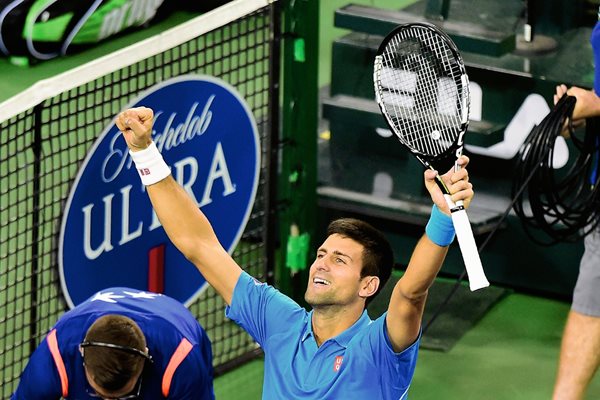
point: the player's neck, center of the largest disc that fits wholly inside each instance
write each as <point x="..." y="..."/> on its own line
<point x="330" y="321"/>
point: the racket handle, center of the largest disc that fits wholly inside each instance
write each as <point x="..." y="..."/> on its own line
<point x="468" y="247"/>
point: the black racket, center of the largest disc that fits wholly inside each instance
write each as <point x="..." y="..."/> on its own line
<point x="422" y="89"/>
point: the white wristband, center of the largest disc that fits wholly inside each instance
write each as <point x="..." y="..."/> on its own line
<point x="150" y="165"/>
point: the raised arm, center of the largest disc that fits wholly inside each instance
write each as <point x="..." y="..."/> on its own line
<point x="408" y="298"/>
<point x="187" y="227"/>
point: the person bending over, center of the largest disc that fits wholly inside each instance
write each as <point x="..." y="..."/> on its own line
<point x="121" y="343"/>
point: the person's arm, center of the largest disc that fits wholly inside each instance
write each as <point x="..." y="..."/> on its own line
<point x="408" y="298"/>
<point x="40" y="378"/>
<point x="187" y="227"/>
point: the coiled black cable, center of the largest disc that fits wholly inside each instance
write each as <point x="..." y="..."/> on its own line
<point x="563" y="205"/>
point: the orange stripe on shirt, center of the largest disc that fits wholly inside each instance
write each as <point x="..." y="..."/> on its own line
<point x="177" y="358"/>
<point x="60" y="365"/>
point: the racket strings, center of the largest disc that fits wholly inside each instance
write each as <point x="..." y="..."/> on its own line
<point x="426" y="96"/>
<point x="422" y="90"/>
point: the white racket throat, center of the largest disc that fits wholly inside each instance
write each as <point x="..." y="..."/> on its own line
<point x="468" y="247"/>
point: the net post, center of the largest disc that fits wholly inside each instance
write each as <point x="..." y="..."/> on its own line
<point x="36" y="148"/>
<point x="156" y="269"/>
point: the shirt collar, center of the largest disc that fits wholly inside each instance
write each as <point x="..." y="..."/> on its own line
<point x="343" y="338"/>
<point x="307" y="331"/>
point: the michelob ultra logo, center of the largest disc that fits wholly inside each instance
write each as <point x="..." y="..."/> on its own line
<point x="208" y="136"/>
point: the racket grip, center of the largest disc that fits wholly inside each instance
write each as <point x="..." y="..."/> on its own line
<point x="468" y="247"/>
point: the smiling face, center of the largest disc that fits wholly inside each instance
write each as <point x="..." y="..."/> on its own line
<point x="334" y="277"/>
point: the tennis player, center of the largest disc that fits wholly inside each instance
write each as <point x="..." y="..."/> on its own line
<point x="334" y="351"/>
<point x="121" y="344"/>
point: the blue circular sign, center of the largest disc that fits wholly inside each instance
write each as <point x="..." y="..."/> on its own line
<point x="208" y="136"/>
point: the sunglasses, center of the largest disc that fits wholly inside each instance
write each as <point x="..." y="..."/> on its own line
<point x="127" y="349"/>
<point x="135" y="393"/>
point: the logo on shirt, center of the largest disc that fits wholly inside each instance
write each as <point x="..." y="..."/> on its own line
<point x="110" y="235"/>
<point x="337" y="364"/>
<point x="257" y="282"/>
<point x="112" y="297"/>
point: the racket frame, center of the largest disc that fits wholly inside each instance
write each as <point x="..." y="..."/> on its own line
<point x="464" y="233"/>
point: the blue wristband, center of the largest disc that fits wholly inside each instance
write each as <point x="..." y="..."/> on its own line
<point x="440" y="229"/>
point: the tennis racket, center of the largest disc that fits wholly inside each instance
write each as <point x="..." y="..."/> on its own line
<point x="422" y="89"/>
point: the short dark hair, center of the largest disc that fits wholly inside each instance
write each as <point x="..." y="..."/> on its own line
<point x="377" y="257"/>
<point x="113" y="368"/>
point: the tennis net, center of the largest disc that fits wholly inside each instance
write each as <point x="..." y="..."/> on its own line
<point x="47" y="130"/>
